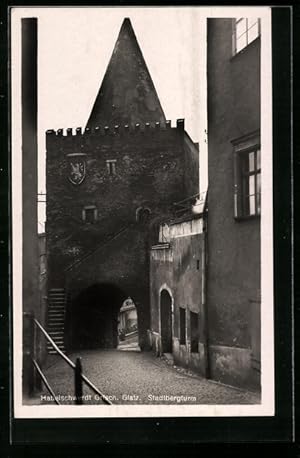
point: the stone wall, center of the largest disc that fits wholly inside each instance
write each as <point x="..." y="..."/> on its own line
<point x="149" y="173"/>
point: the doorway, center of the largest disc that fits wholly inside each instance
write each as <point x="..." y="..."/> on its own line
<point x="166" y="321"/>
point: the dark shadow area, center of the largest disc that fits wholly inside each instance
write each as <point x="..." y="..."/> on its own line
<point x="92" y="318"/>
<point x="166" y="321"/>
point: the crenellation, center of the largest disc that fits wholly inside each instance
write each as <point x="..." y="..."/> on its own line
<point x="180" y="124"/>
<point x="118" y="129"/>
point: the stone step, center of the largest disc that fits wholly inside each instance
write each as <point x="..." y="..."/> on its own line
<point x="54" y="352"/>
<point x="60" y="345"/>
<point x="57" y="340"/>
<point x="57" y="304"/>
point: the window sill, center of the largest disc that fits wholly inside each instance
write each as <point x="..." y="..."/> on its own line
<point x="246" y="218"/>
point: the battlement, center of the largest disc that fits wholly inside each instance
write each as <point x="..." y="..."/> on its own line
<point x="117" y="129"/>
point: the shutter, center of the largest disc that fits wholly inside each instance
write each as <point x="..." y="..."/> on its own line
<point x="236" y="185"/>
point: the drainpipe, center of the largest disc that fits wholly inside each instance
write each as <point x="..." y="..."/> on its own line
<point x="204" y="293"/>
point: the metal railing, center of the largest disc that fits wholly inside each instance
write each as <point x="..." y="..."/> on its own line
<point x="187" y="203"/>
<point x="79" y="377"/>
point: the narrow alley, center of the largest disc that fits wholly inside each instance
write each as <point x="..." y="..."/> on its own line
<point x="128" y="376"/>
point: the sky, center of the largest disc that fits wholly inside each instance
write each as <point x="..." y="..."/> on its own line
<point x="74" y="49"/>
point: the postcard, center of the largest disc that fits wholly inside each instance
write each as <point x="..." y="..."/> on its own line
<point x="142" y="213"/>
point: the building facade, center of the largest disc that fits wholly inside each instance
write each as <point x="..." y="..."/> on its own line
<point x="177" y="281"/>
<point x="233" y="269"/>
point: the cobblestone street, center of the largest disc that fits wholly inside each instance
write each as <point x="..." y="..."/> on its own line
<point x="133" y="377"/>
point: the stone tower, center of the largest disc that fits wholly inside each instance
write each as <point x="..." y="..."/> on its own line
<point x="106" y="187"/>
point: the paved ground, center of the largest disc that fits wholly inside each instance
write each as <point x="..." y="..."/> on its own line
<point x="128" y="376"/>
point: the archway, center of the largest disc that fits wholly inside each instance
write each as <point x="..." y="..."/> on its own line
<point x="166" y="321"/>
<point x="92" y="317"/>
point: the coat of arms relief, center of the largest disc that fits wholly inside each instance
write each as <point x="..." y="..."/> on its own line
<point x="76" y="168"/>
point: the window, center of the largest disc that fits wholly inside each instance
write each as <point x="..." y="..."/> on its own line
<point x="194" y="321"/>
<point x="247" y="176"/>
<point x="111" y="166"/>
<point x="245" y="31"/>
<point x="182" y="325"/>
<point x="90" y="214"/>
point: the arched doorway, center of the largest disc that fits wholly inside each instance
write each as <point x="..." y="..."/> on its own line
<point x="166" y="321"/>
<point x="92" y="317"/>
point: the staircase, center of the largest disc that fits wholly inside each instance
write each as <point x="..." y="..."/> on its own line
<point x="56" y="318"/>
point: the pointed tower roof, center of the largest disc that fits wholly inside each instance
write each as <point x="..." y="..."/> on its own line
<point x="127" y="94"/>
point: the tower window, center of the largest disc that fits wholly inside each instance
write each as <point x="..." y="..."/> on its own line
<point x="182" y="326"/>
<point x="111" y="166"/>
<point x="245" y="31"/>
<point x="90" y="214"/>
<point x="194" y="321"/>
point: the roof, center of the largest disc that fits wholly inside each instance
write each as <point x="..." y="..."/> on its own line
<point x="127" y="94"/>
